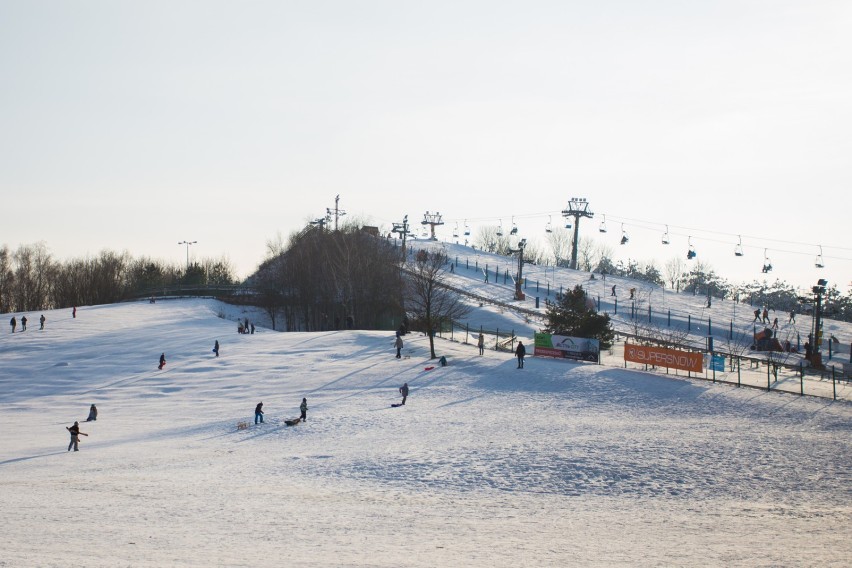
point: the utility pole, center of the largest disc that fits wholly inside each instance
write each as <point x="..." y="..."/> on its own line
<point x="818" y="291"/>
<point x="432" y="219"/>
<point x="519" y="294"/>
<point x="402" y="229"/>
<point x="577" y="207"/>
<point x="337" y="212"/>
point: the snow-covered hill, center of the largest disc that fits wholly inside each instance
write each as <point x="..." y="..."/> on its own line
<point x="486" y="465"/>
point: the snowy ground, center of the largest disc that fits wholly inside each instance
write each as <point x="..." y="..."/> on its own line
<point x="557" y="464"/>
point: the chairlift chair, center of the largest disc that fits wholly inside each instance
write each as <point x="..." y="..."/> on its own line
<point x="624" y="237"/>
<point x="767" y="264"/>
<point x="514" y="230"/>
<point x="690" y="254"/>
<point x="500" y="229"/>
<point x="466" y="229"/>
<point x="738" y="250"/>
<point x="602" y="228"/>
<point x="549" y="227"/>
<point x="819" y="262"/>
<point x="456" y="231"/>
<point x="666" y="236"/>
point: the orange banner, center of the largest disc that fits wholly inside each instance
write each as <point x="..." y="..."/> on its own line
<point x="662" y="357"/>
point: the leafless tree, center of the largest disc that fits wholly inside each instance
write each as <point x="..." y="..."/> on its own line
<point x="559" y="241"/>
<point x="427" y="298"/>
<point x="675" y="269"/>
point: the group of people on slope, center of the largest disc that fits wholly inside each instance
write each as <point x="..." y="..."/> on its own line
<point x="303" y="409"/>
<point x="75" y="432"/>
<point x="14" y="322"/>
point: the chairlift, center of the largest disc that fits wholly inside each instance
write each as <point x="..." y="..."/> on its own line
<point x="456" y="231"/>
<point x="666" y="236"/>
<point x="690" y="254"/>
<point x="738" y="250"/>
<point x="767" y="264"/>
<point x="624" y="237"/>
<point x="549" y="227"/>
<point x="466" y="229"/>
<point x="514" y="230"/>
<point x="500" y="229"/>
<point x="819" y="263"/>
<point x="602" y="228"/>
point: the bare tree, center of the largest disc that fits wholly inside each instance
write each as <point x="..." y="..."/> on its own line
<point x="7" y="281"/>
<point x="675" y="269"/>
<point x="427" y="298"/>
<point x="559" y="241"/>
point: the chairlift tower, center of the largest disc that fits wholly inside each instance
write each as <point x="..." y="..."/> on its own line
<point x="519" y="294"/>
<point x="577" y="207"/>
<point x="433" y="220"/>
<point x="402" y="229"/>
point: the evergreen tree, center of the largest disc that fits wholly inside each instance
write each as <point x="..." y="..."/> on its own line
<point x="573" y="314"/>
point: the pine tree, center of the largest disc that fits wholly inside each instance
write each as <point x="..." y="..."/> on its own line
<point x="574" y="315"/>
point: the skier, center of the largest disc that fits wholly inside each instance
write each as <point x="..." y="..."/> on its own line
<point x="519" y="353"/>
<point x="403" y="390"/>
<point x="75" y="436"/>
<point x="42" y="319"/>
<point x="216" y="348"/>
<point x="398" y="345"/>
<point x="481" y="343"/>
<point x="162" y="360"/>
<point x="93" y="413"/>
<point x="258" y="413"/>
<point x="24" y="323"/>
<point x="14" y="323"/>
<point x="303" y="408"/>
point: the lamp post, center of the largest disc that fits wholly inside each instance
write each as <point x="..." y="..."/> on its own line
<point x="187" y="243"/>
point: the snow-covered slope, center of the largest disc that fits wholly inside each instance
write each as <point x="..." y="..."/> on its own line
<point x="486" y="465"/>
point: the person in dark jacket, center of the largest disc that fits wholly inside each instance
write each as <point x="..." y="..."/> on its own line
<point x="24" y="323"/>
<point x="403" y="390"/>
<point x="93" y="413"/>
<point x="216" y="348"/>
<point x="303" y="408"/>
<point x="520" y="351"/>
<point x="162" y="361"/>
<point x="258" y="413"/>
<point x="75" y="436"/>
<point x="14" y="323"/>
<point x="481" y="343"/>
<point x="42" y="319"/>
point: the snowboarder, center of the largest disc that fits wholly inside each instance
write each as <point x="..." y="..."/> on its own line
<point x="75" y="436"/>
<point x="481" y="343"/>
<point x="162" y="360"/>
<point x="216" y="348"/>
<point x="403" y="390"/>
<point x="398" y="345"/>
<point x="24" y="323"/>
<point x="93" y="413"/>
<point x="258" y="413"/>
<point x="303" y="408"/>
<point x="41" y="320"/>
<point x="520" y="351"/>
<point x="14" y="323"/>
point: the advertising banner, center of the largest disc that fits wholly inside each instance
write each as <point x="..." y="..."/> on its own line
<point x="662" y="357"/>
<point x="564" y="347"/>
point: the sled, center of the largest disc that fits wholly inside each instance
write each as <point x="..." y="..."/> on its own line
<point x="397" y="405"/>
<point x="242" y="425"/>
<point x="428" y="368"/>
<point x="292" y="421"/>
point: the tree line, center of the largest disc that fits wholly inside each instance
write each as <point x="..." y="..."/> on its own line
<point x="31" y="279"/>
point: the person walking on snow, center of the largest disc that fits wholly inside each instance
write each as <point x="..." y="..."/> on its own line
<point x="24" y="323"/>
<point x="93" y="414"/>
<point x="765" y="315"/>
<point x="74" y="312"/>
<point x="258" y="413"/>
<point x="162" y="361"/>
<point x="792" y="316"/>
<point x="519" y="353"/>
<point x="398" y="345"/>
<point x="75" y="436"/>
<point x="613" y="290"/>
<point x="403" y="390"/>
<point x="41" y="320"/>
<point x="481" y="343"/>
<point x="216" y="348"/>
<point x="14" y="323"/>
<point x="756" y="315"/>
<point x="303" y="408"/>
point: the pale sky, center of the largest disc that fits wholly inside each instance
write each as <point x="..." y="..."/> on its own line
<point x="136" y="125"/>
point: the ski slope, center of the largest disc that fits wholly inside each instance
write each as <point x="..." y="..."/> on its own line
<point x="557" y="464"/>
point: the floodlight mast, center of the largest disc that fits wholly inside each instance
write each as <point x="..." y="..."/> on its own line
<point x="577" y="207"/>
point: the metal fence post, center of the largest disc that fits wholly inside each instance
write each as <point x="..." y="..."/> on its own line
<point x="649" y="313"/>
<point x="731" y="335"/>
<point x="833" y="383"/>
<point x="616" y="306"/>
<point x="801" y="378"/>
<point x="709" y="326"/>
<point x="670" y="317"/>
<point x="688" y="322"/>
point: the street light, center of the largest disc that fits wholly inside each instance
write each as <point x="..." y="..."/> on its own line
<point x="187" y="243"/>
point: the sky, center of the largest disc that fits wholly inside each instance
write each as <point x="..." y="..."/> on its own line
<point x="136" y="126"/>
